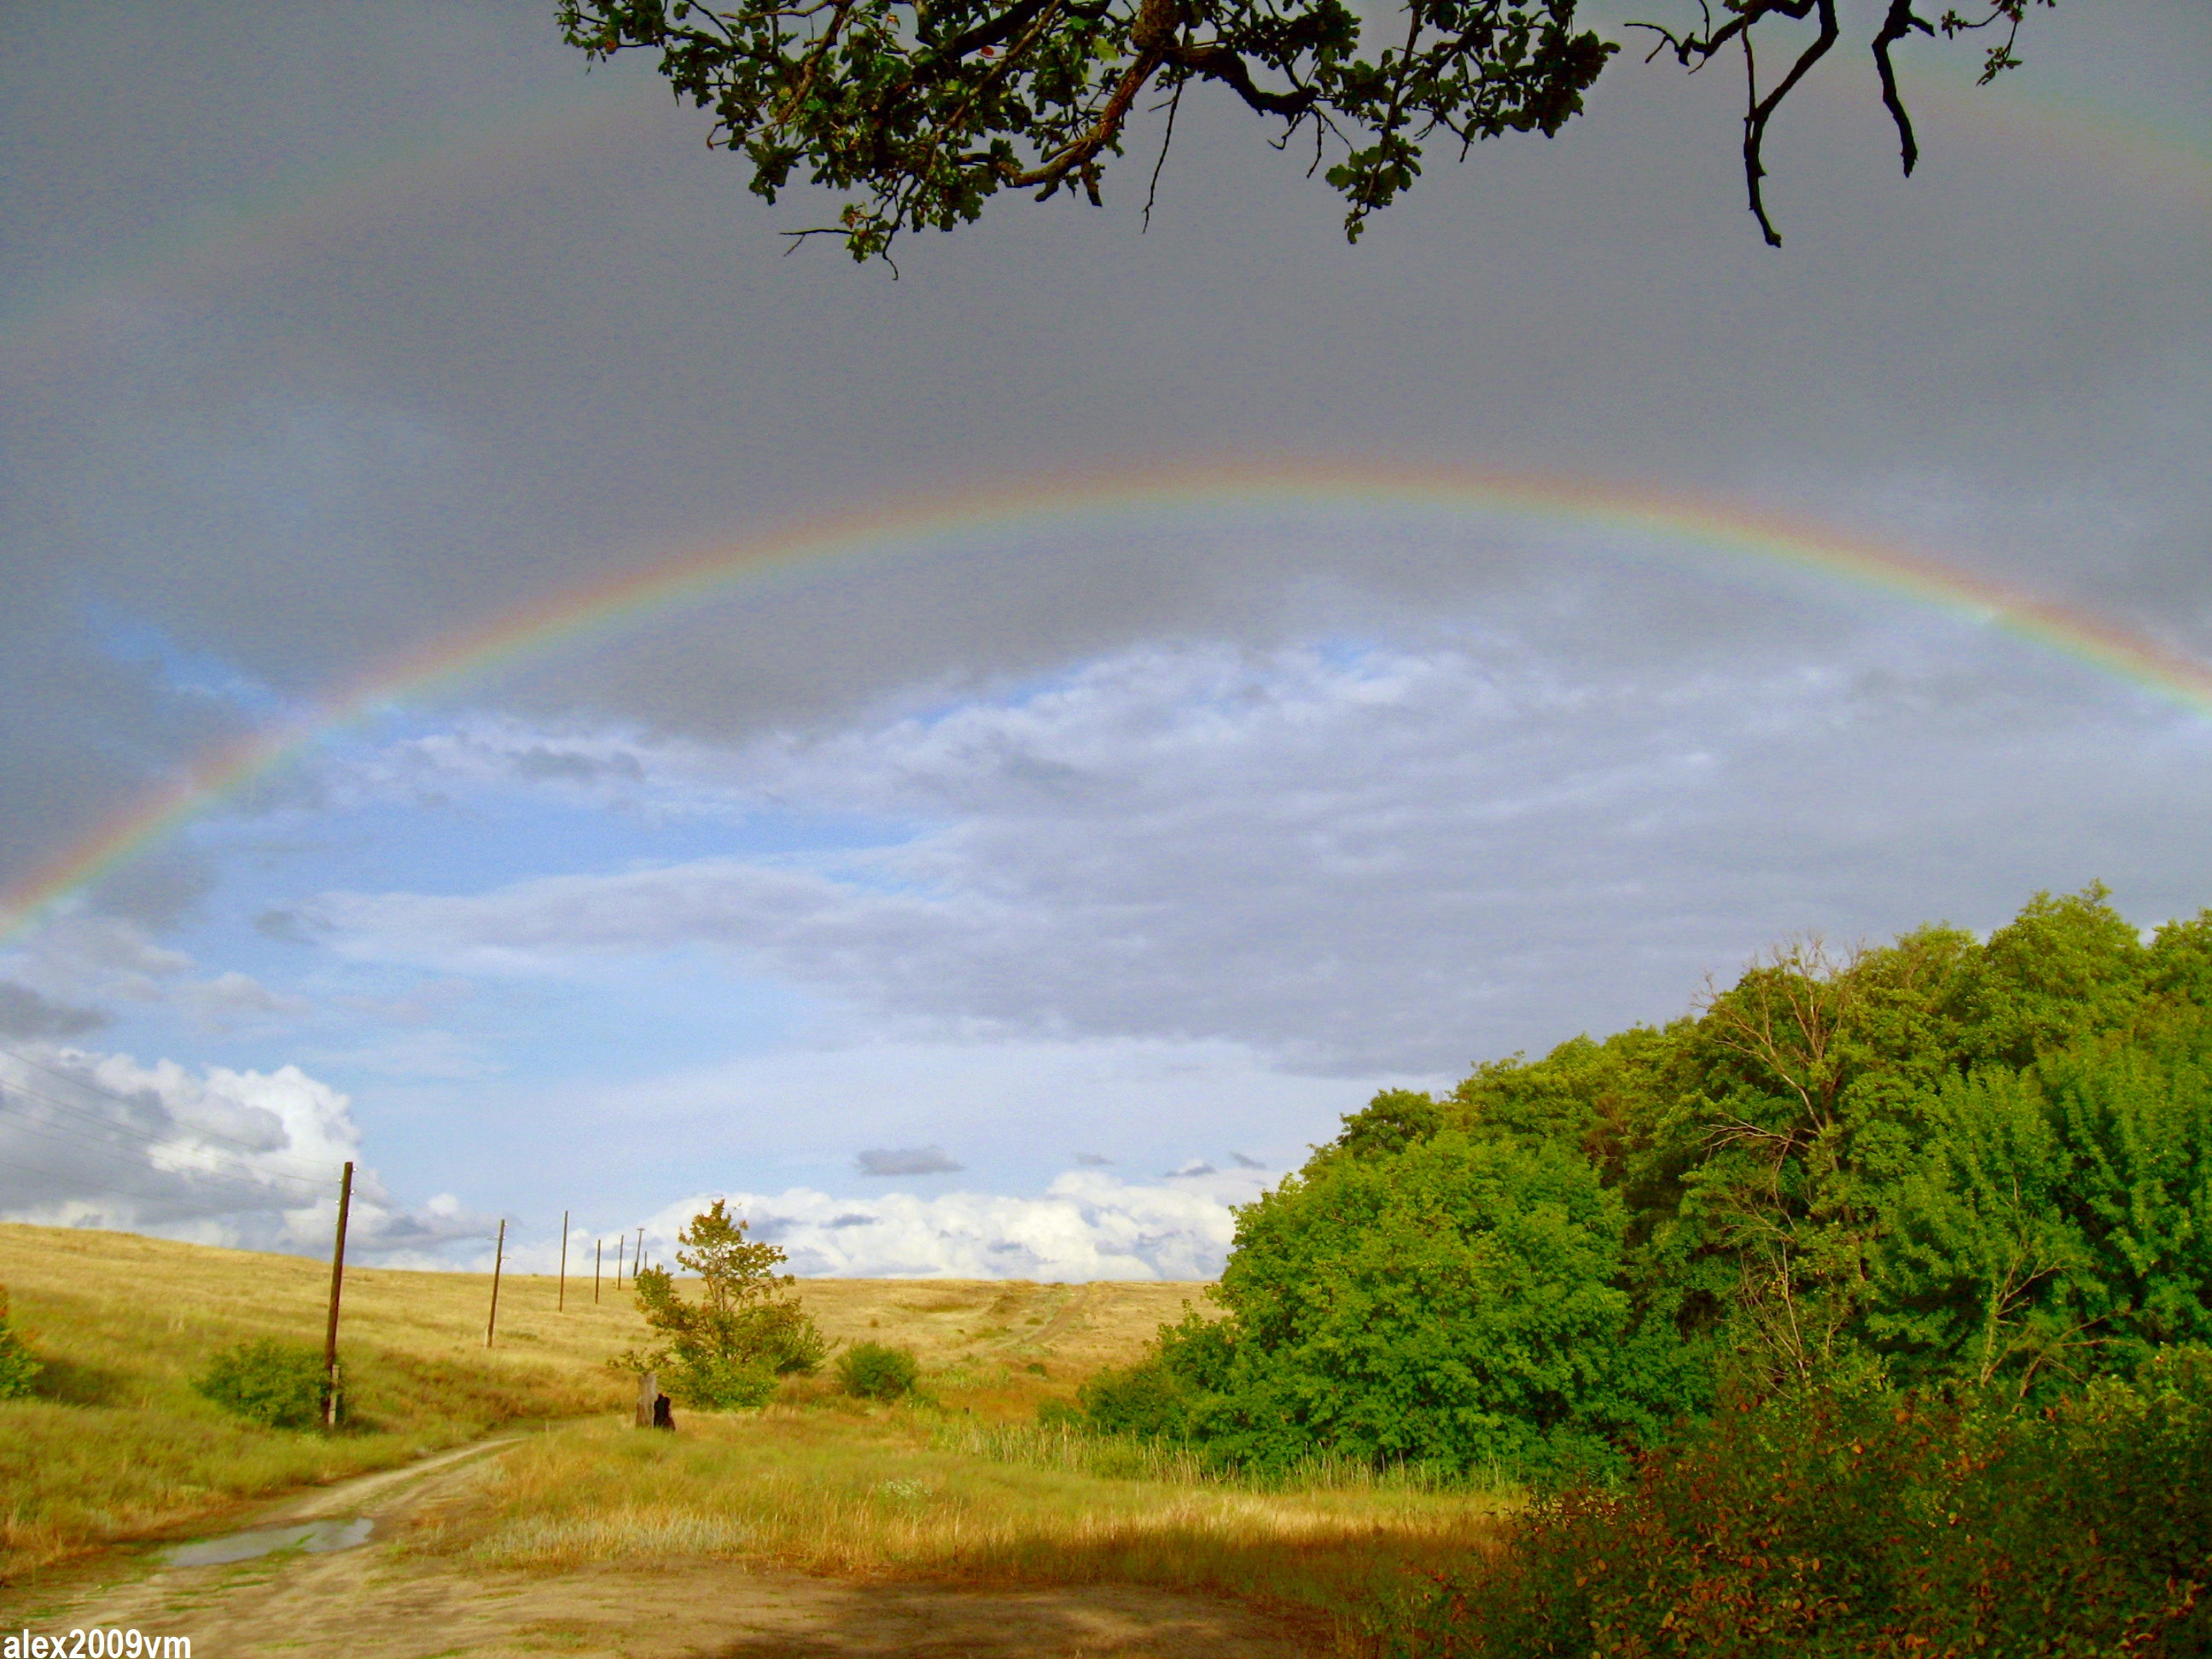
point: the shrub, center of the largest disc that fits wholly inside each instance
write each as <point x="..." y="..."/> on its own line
<point x="875" y="1371"/>
<point x="17" y="1368"/>
<point x="711" y="1384"/>
<point x="1880" y="1526"/>
<point x="277" y="1384"/>
<point x="1060" y="1415"/>
<point x="782" y="1336"/>
<point x="1148" y="1398"/>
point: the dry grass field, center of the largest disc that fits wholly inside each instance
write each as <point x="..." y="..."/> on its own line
<point x="958" y="1487"/>
<point x="856" y="1491"/>
<point x="116" y="1444"/>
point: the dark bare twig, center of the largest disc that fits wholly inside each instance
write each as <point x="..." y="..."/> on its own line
<point x="1762" y="112"/>
<point x="1895" y="28"/>
<point x="1152" y="191"/>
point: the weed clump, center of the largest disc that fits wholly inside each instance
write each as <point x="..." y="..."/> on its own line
<point x="876" y="1370"/>
<point x="274" y="1384"/>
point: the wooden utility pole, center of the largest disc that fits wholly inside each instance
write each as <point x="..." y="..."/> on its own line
<point x="599" y="1245"/>
<point x="499" y="1256"/>
<point x="621" y="1244"/>
<point x="637" y="1260"/>
<point x="562" y="1306"/>
<point x="337" y="1284"/>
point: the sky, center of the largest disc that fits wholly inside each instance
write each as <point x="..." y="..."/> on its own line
<point x="1013" y="893"/>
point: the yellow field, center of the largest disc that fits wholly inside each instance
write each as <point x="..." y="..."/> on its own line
<point x="959" y="1485"/>
<point x="119" y="1446"/>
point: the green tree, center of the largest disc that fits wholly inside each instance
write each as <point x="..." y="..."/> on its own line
<point x="1456" y="1302"/>
<point x="1821" y="1103"/>
<point x="1395" y="1119"/>
<point x="1770" y="1117"/>
<point x="1975" y="1273"/>
<point x="1938" y="1162"/>
<point x="2053" y="1226"/>
<point x="2137" y="1129"/>
<point x="927" y="108"/>
<point x="745" y="1330"/>
<point x="2063" y="969"/>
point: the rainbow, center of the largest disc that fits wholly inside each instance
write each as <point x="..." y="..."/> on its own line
<point x="914" y="525"/>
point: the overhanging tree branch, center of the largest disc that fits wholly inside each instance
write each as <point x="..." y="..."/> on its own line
<point x="923" y="109"/>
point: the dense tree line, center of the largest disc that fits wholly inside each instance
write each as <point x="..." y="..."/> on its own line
<point x="1957" y="1166"/>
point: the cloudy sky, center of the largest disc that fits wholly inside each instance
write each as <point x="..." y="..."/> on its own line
<point x="1012" y="900"/>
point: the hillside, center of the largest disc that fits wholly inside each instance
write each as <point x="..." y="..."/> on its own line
<point x="115" y="1444"/>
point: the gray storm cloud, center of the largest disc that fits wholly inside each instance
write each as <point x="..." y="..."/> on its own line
<point x="1393" y="860"/>
<point x="298" y="461"/>
<point x="327" y="335"/>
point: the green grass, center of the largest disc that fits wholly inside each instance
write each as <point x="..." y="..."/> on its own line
<point x="1075" y="1450"/>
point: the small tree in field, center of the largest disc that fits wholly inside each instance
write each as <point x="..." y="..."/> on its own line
<point x="745" y="1330"/>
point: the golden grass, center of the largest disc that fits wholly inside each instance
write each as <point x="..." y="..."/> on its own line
<point x="117" y="1445"/>
<point x="850" y="1491"/>
<point x="997" y="1346"/>
<point x="963" y="1486"/>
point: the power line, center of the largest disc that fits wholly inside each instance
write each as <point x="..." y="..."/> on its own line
<point x="158" y="1201"/>
<point x="149" y="1199"/>
<point x="103" y="1093"/>
<point x="111" y="1132"/>
<point x="296" y="1187"/>
<point x="129" y="1105"/>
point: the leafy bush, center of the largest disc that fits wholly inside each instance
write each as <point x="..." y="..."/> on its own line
<point x="277" y="1384"/>
<point x="17" y="1368"/>
<point x="1151" y="1399"/>
<point x="782" y="1337"/>
<point x="876" y="1370"/>
<point x="1876" y="1526"/>
<point x="714" y="1384"/>
<point x="1060" y="1417"/>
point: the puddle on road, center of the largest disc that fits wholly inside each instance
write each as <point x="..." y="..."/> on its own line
<point x="315" y="1537"/>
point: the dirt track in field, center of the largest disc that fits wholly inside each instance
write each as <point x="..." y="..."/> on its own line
<point x="377" y="1601"/>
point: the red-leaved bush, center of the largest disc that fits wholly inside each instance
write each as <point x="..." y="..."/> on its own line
<point x="1879" y="1526"/>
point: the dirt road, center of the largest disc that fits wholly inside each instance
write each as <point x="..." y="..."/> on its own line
<point x="378" y="1601"/>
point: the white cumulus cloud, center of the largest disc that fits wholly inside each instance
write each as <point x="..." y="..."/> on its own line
<point x="219" y="1156"/>
<point x="1086" y="1226"/>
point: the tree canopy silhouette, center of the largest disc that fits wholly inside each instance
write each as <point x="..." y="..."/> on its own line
<point x="925" y="109"/>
